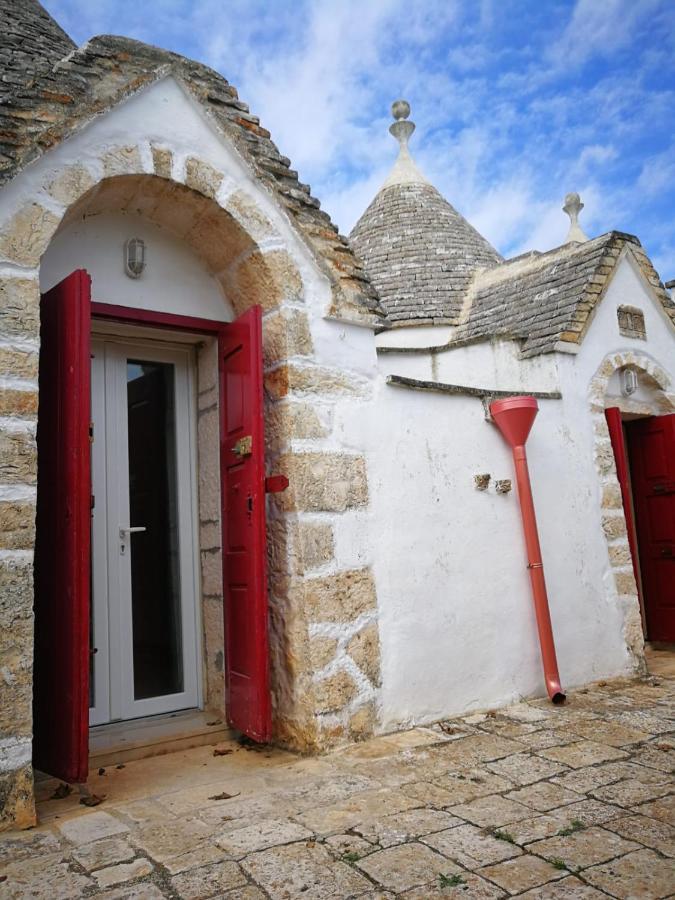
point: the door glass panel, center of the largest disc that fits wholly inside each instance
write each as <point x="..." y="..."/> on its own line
<point x="153" y="505"/>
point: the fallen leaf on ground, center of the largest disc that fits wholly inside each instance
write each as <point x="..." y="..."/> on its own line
<point x="92" y="799"/>
<point x="222" y="750"/>
<point x="224" y="796"/>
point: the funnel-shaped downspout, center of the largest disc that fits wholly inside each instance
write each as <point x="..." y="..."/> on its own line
<point x="514" y="417"/>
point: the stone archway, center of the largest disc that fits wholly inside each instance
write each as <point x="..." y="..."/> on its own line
<point x="613" y="519"/>
<point x="324" y="686"/>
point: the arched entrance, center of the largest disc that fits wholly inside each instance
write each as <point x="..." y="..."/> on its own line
<point x="635" y="454"/>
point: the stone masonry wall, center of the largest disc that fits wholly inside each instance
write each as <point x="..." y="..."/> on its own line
<point x="324" y="638"/>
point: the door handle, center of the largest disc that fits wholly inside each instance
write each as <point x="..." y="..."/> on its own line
<point x="132" y="529"/>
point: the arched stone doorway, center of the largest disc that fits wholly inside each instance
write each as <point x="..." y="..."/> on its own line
<point x="651" y="396"/>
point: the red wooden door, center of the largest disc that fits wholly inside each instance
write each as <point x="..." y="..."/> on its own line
<point x="651" y="448"/>
<point x="62" y="545"/>
<point x="616" y="434"/>
<point x="243" y="523"/>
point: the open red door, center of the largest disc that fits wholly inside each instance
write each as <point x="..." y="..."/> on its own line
<point x="243" y="523"/>
<point x="616" y="434"/>
<point x="651" y="448"/>
<point x="62" y="545"/>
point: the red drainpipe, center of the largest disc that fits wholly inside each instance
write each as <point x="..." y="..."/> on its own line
<point x="514" y="417"/>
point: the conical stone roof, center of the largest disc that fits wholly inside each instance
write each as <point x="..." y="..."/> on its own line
<point x="419" y="252"/>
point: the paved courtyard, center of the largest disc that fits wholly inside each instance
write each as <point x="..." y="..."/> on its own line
<point x="533" y="801"/>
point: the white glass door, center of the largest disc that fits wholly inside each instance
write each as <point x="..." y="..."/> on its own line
<point x="144" y="635"/>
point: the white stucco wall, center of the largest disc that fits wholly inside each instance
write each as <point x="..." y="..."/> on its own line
<point x="456" y="618"/>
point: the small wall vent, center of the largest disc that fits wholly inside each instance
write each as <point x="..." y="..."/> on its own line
<point x="632" y="322"/>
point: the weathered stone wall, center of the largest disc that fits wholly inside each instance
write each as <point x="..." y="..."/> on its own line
<point x="324" y="639"/>
<point x="19" y="342"/>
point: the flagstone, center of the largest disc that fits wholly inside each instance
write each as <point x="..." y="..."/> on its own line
<point x="491" y="811"/>
<point x="467" y="887"/>
<point x="587" y="847"/>
<point x="405" y="866"/>
<point x="631" y="792"/>
<point x="207" y="881"/>
<point x="304" y="870"/>
<point x="521" y="873"/>
<point x="642" y="874"/>
<point x="663" y="809"/>
<point x="543" y="796"/>
<point x="657" y="835"/>
<point x="90" y="826"/>
<point x="569" y="888"/>
<point x="260" y="836"/>
<point x="612" y="733"/>
<point x="111" y="875"/>
<point x="525" y="768"/>
<point x="404" y="826"/>
<point x="104" y="852"/>
<point x="471" y="846"/>
<point x="466" y="785"/>
<point x="582" y="753"/>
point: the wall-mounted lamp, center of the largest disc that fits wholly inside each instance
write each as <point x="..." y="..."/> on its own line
<point x="629" y="382"/>
<point x="134" y="257"/>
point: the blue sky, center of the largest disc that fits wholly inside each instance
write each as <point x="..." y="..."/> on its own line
<point x="516" y="102"/>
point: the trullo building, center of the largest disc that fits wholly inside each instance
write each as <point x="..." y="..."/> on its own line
<point x="249" y="467"/>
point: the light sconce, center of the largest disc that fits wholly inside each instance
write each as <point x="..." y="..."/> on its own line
<point x="629" y="382"/>
<point x="134" y="257"/>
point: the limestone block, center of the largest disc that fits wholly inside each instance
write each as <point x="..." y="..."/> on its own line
<point x="17" y="525"/>
<point x="17" y="807"/>
<point x="16" y="600"/>
<point x="619" y="554"/>
<point x="322" y="651"/>
<point x="286" y="421"/>
<point x="202" y="177"/>
<point x="214" y="652"/>
<point x="25" y="237"/>
<point x="311" y="380"/>
<point x="19" y="363"/>
<point x="323" y="482"/>
<point x="364" y="649"/>
<point x="341" y="597"/>
<point x="611" y="496"/>
<point x="18" y="403"/>
<point x="334" y="692"/>
<point x="19" y="307"/>
<point x="316" y="544"/>
<point x="362" y="723"/>
<point x="264" y="278"/>
<point x="247" y="212"/>
<point x="285" y="334"/>
<point x="16" y="682"/>
<point x="218" y="240"/>
<point x="625" y="582"/>
<point x="614" y="526"/>
<point x="122" y="161"/>
<point x="604" y="457"/>
<point x="71" y="184"/>
<point x="162" y="161"/>
<point x="212" y="572"/>
<point x="18" y="458"/>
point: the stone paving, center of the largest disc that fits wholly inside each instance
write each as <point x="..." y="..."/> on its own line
<point x="533" y="801"/>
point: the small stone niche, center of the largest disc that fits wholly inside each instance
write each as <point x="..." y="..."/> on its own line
<point x="632" y="322"/>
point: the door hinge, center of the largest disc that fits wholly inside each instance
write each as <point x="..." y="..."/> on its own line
<point x="91" y="432"/>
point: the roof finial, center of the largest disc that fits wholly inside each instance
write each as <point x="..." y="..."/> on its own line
<point x="573" y="207"/>
<point x="405" y="171"/>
